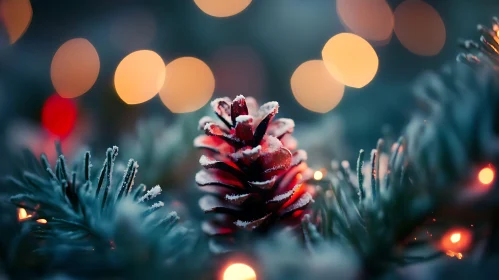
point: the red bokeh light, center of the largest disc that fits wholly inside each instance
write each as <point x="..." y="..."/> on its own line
<point x="456" y="240"/>
<point x="59" y="115"/>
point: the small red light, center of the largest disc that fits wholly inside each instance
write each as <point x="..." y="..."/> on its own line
<point x="59" y="115"/>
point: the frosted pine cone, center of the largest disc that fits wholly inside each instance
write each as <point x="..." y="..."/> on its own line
<point x="255" y="176"/>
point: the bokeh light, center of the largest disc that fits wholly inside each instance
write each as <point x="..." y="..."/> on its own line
<point x="239" y="271"/>
<point x="133" y="30"/>
<point x="189" y="85"/>
<point x="318" y="175"/>
<point x="486" y="175"/>
<point x="41" y="221"/>
<point x="350" y="59"/>
<point x="314" y="88"/>
<point x="238" y="71"/>
<point x="370" y="19"/>
<point x="139" y="76"/>
<point x="75" y="68"/>
<point x="16" y="17"/>
<point x="22" y="214"/>
<point x="59" y="115"/>
<point x="222" y="8"/>
<point x="455" y="237"/>
<point x="456" y="240"/>
<point x="419" y="28"/>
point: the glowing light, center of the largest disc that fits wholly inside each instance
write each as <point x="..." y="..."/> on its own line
<point x="41" y="221"/>
<point x="74" y="68"/>
<point x="318" y="175"/>
<point x="139" y="76"/>
<point x="371" y="19"/>
<point x="455" y="237"/>
<point x="456" y="240"/>
<point x="454" y="254"/>
<point x="419" y="28"/>
<point x="239" y="271"/>
<point x="314" y="88"/>
<point x="222" y="8"/>
<point x="299" y="176"/>
<point x="59" y="115"/>
<point x="238" y="71"/>
<point x="22" y="214"/>
<point x="350" y="59"/>
<point x="486" y="175"/>
<point x="189" y="85"/>
<point x="16" y="17"/>
<point x="133" y="30"/>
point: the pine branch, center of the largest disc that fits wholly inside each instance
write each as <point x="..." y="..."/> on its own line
<point x="101" y="217"/>
<point x="163" y="149"/>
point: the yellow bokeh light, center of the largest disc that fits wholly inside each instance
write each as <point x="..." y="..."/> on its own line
<point x="222" y="8"/>
<point x="486" y="175"/>
<point x="239" y="271"/>
<point x="370" y="19"/>
<point x="75" y="68"/>
<point x="314" y="88"/>
<point x="139" y="76"/>
<point x="419" y="28"/>
<point x="16" y="17"/>
<point x="22" y="214"/>
<point x="455" y="237"/>
<point x="41" y="221"/>
<point x="350" y="59"/>
<point x="189" y="85"/>
<point x="318" y="175"/>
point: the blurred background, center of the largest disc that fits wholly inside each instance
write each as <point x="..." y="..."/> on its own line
<point x="140" y="73"/>
<point x="86" y="52"/>
<point x="97" y="73"/>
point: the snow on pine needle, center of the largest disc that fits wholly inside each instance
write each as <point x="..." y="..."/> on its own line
<point x="89" y="210"/>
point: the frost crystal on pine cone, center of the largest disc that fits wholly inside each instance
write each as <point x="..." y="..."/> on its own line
<point x="255" y="177"/>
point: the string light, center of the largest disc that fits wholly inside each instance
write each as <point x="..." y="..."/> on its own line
<point x="59" y="115"/>
<point x="455" y="237"/>
<point x="486" y="175"/>
<point x="22" y="214"/>
<point x="454" y="254"/>
<point x="419" y="28"/>
<point x="139" y="76"/>
<point x="372" y="19"/>
<point x="75" y="68"/>
<point x="350" y="59"/>
<point x="314" y="88"/>
<point x="239" y="271"/>
<point x="456" y="240"/>
<point x="16" y="16"/>
<point x="189" y="85"/>
<point x="318" y="175"/>
<point x="222" y="8"/>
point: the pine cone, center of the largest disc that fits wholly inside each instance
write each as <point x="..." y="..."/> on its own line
<point x="255" y="177"/>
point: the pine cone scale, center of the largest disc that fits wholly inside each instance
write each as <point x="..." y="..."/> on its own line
<point x="253" y="175"/>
